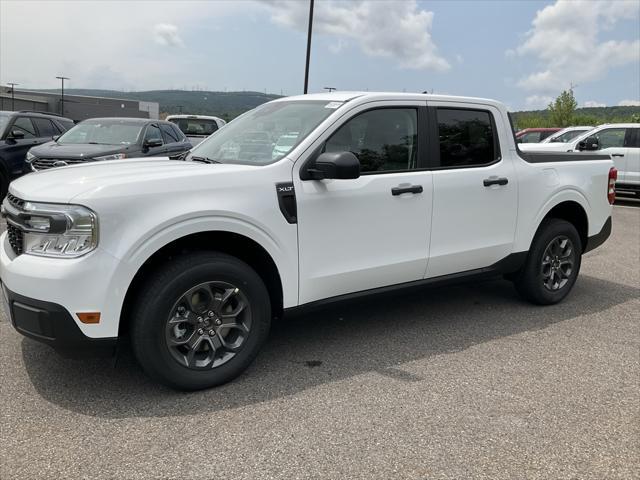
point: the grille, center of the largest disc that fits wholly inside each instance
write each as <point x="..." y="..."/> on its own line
<point x="46" y="163"/>
<point x="15" y="236"/>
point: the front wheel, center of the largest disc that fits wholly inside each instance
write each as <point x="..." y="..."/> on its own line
<point x="200" y="321"/>
<point x="552" y="265"/>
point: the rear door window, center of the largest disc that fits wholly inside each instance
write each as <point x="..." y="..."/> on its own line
<point x="45" y="127"/>
<point x="632" y="138"/>
<point x="168" y="133"/>
<point x="467" y="137"/>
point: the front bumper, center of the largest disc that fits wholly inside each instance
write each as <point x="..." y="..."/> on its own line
<point x="95" y="282"/>
<point x="52" y="324"/>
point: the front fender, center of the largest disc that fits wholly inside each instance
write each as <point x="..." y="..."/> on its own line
<point x="277" y="248"/>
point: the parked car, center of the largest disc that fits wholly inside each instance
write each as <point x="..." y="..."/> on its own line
<point x="197" y="127"/>
<point x="194" y="258"/>
<point x="566" y="135"/>
<point x="620" y="140"/>
<point x="102" y="139"/>
<point x="534" y="135"/>
<point x="284" y="144"/>
<point x="19" y="131"/>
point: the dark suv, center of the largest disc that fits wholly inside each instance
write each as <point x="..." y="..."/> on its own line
<point x="100" y="139"/>
<point x="19" y="131"/>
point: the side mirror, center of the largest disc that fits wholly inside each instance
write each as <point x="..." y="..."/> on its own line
<point x="338" y="165"/>
<point x="152" y="142"/>
<point x="589" y="143"/>
<point x="16" y="134"/>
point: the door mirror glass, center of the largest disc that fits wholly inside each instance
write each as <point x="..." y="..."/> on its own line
<point x="589" y="143"/>
<point x="338" y="165"/>
<point x="16" y="134"/>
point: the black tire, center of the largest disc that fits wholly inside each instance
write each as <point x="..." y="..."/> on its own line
<point x="153" y="324"/>
<point x="535" y="282"/>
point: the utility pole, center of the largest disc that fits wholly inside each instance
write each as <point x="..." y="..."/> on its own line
<point x="330" y="89"/>
<point x="306" y="68"/>
<point x="62" y="79"/>
<point x="13" y="88"/>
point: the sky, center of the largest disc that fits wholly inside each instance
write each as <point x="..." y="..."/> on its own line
<point x="521" y="52"/>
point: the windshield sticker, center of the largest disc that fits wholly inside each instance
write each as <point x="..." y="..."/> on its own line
<point x="333" y="105"/>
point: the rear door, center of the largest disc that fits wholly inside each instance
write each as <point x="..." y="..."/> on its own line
<point x="372" y="231"/>
<point x="174" y="143"/>
<point x="46" y="129"/>
<point x="475" y="190"/>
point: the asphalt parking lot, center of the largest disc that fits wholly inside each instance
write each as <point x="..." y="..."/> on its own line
<point x="457" y="382"/>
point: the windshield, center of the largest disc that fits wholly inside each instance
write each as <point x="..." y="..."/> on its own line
<point x="265" y="134"/>
<point x="194" y="126"/>
<point x="565" y="137"/>
<point x="4" y="120"/>
<point x="103" y="132"/>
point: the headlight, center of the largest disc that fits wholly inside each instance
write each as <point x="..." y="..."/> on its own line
<point x="114" y="156"/>
<point x="52" y="230"/>
<point x="30" y="157"/>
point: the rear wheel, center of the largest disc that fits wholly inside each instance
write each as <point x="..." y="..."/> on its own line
<point x="552" y="265"/>
<point x="200" y="321"/>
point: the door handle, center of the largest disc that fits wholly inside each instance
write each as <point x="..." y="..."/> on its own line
<point x="411" y="189"/>
<point x="495" y="181"/>
<point x="617" y="154"/>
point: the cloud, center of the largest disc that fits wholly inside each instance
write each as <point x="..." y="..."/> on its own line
<point x="629" y="103"/>
<point x="167" y="34"/>
<point x="593" y="103"/>
<point x="390" y="29"/>
<point x="538" y="101"/>
<point x="565" y="40"/>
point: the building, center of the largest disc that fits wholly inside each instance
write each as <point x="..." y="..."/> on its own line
<point x="76" y="107"/>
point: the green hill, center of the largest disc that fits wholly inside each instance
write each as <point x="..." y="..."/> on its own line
<point x="227" y="105"/>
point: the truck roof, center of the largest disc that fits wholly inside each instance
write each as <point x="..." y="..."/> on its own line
<point x="371" y="96"/>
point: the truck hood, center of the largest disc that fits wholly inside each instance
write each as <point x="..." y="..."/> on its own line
<point x="117" y="178"/>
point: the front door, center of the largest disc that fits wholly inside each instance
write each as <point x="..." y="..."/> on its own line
<point x="361" y="234"/>
<point x="612" y="142"/>
<point x="475" y="190"/>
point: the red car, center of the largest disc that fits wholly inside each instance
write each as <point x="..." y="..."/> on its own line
<point x="534" y="135"/>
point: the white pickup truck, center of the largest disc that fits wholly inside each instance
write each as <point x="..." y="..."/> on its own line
<point x="621" y="141"/>
<point x="379" y="191"/>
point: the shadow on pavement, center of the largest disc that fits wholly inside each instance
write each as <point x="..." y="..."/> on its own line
<point x="312" y="349"/>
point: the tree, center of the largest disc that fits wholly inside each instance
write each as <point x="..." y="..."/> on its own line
<point x="563" y="108"/>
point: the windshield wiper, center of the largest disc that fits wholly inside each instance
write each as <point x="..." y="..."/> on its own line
<point x="203" y="159"/>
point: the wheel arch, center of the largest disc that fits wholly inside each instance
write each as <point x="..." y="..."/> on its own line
<point x="571" y="211"/>
<point x="238" y="245"/>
